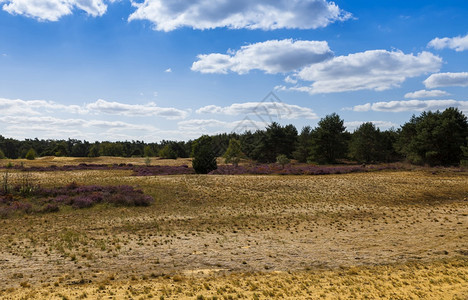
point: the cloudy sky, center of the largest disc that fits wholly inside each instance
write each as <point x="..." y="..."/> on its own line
<point x="164" y="69"/>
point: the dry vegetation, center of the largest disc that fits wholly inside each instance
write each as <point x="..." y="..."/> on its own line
<point x="388" y="234"/>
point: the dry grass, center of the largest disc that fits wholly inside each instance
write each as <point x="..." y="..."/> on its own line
<point x="385" y="234"/>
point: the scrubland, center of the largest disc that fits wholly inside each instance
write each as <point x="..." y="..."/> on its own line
<point x="383" y="234"/>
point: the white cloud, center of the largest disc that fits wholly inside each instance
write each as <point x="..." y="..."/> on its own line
<point x="53" y="10"/>
<point x="149" y="109"/>
<point x="236" y="14"/>
<point x="352" y="125"/>
<point x="446" y="79"/>
<point x="276" y="109"/>
<point x="169" y="70"/>
<point x="202" y="126"/>
<point x="274" y="56"/>
<point x="33" y="107"/>
<point x="411" y="105"/>
<point x="458" y="43"/>
<point x="370" y="70"/>
<point x="38" y="107"/>
<point x="426" y="94"/>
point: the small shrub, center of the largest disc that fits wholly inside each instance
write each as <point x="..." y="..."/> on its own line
<point x="31" y="154"/>
<point x="2" y="155"/>
<point x="282" y="160"/>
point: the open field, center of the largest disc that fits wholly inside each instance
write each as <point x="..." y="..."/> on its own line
<point x="391" y="234"/>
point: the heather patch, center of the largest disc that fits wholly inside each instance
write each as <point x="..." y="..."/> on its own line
<point x="278" y="169"/>
<point x="252" y="169"/>
<point x="46" y="200"/>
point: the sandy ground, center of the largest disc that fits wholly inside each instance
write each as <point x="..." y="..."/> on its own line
<point x="248" y="236"/>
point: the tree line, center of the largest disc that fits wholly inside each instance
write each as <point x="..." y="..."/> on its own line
<point x="433" y="138"/>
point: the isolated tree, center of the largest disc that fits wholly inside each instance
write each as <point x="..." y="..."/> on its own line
<point x="365" y="144"/>
<point x="282" y="160"/>
<point x="434" y="138"/>
<point x="167" y="152"/>
<point x="329" y="140"/>
<point x="233" y="153"/>
<point x="204" y="159"/>
<point x="304" y="145"/>
<point x="31" y="155"/>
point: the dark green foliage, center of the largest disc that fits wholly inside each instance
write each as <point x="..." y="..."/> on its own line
<point x="31" y="154"/>
<point x="61" y="149"/>
<point x="434" y="138"/>
<point x="112" y="149"/>
<point x="204" y="159"/>
<point x="2" y="155"/>
<point x="304" y="145"/>
<point x="365" y="145"/>
<point x="233" y="153"/>
<point x="95" y="150"/>
<point x="148" y="151"/>
<point x="274" y="141"/>
<point x="167" y="152"/>
<point x="464" y="160"/>
<point x="329" y="141"/>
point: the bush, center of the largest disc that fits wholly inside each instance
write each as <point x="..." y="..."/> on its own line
<point x="204" y="159"/>
<point x="31" y="155"/>
<point x="2" y="155"/>
<point x="282" y="160"/>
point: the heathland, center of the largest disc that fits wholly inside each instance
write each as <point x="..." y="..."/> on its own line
<point x="397" y="233"/>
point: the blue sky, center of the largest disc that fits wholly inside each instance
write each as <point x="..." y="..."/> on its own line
<point x="157" y="69"/>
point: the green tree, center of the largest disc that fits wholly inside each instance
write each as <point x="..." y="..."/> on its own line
<point x="274" y="141"/>
<point x="60" y="149"/>
<point x="148" y="151"/>
<point x="464" y="160"/>
<point x="31" y="155"/>
<point x="434" y="138"/>
<point x="2" y="155"/>
<point x="112" y="149"/>
<point x="282" y="160"/>
<point x="204" y="159"/>
<point x="95" y="150"/>
<point x="304" y="145"/>
<point x="365" y="145"/>
<point x="233" y="153"/>
<point x="329" y="141"/>
<point x="167" y="152"/>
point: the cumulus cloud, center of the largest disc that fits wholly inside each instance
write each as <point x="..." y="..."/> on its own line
<point x="370" y="70"/>
<point x="150" y="109"/>
<point x="446" y="79"/>
<point x="352" y="125"/>
<point x="277" y="109"/>
<point x="426" y="94"/>
<point x="458" y="43"/>
<point x="411" y="105"/>
<point x="236" y="14"/>
<point x="53" y="10"/>
<point x="274" y="56"/>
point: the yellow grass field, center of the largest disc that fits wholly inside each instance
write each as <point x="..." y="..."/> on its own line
<point x="386" y="234"/>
